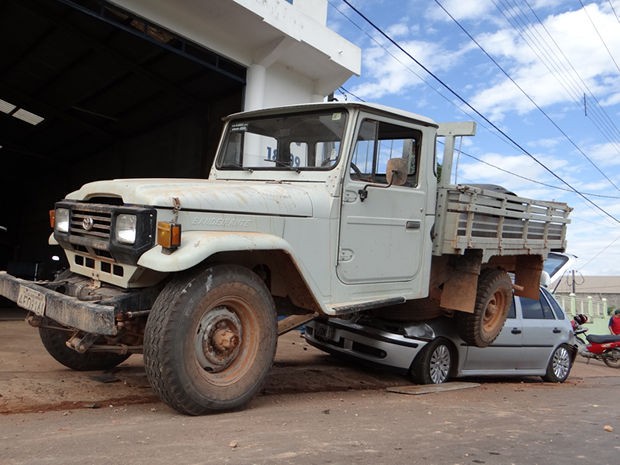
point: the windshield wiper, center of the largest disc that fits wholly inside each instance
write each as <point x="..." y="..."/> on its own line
<point x="284" y="164"/>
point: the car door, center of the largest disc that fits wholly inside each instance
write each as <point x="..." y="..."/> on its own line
<point x="502" y="356"/>
<point x="384" y="236"/>
<point x="542" y="332"/>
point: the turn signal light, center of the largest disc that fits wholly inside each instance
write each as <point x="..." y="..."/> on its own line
<point x="168" y="235"/>
<point x="52" y="218"/>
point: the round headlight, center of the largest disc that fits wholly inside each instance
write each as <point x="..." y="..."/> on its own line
<point x="126" y="228"/>
<point x="62" y="220"/>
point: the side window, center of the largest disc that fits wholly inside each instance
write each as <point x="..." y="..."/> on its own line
<point x="557" y="310"/>
<point x="531" y="309"/>
<point x="376" y="143"/>
<point x="536" y="309"/>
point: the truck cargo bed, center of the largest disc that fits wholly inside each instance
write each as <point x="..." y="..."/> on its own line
<point x="498" y="223"/>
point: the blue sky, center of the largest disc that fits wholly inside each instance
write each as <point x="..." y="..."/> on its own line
<point x="546" y="72"/>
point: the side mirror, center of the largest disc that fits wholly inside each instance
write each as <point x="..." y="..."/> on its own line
<point x="396" y="175"/>
<point x="396" y="171"/>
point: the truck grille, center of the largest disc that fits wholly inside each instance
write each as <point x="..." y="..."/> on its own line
<point x="94" y="223"/>
<point x="91" y="232"/>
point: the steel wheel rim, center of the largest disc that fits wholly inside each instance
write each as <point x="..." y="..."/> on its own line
<point x="241" y="320"/>
<point x="493" y="311"/>
<point x="440" y="364"/>
<point x="561" y="363"/>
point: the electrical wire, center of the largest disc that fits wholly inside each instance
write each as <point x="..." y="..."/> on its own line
<point x="526" y="95"/>
<point x="568" y="77"/>
<point x="599" y="35"/>
<point x="465" y="102"/>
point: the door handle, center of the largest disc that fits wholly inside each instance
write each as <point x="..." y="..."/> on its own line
<point x="515" y="331"/>
<point x="557" y="330"/>
<point x="413" y="224"/>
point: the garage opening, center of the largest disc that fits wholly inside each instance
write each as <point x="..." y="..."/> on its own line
<point x="89" y="91"/>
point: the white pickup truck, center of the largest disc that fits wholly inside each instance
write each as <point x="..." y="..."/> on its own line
<point x="310" y="210"/>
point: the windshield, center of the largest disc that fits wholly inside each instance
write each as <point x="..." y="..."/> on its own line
<point x="297" y="141"/>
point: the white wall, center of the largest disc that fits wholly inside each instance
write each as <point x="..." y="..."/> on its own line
<point x="291" y="54"/>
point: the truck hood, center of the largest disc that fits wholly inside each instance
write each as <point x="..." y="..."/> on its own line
<point x="262" y="198"/>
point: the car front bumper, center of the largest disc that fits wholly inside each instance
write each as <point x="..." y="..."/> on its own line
<point x="372" y="345"/>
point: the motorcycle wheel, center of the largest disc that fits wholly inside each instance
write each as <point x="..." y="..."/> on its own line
<point x="612" y="358"/>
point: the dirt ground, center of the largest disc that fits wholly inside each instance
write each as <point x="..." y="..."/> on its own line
<point x="32" y="381"/>
<point x="313" y="411"/>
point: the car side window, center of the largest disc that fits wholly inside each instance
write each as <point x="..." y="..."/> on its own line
<point x="536" y="309"/>
<point x="557" y="310"/>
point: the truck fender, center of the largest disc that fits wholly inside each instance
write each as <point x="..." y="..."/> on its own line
<point x="196" y="246"/>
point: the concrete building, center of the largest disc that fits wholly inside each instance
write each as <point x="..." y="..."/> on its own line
<point x="595" y="287"/>
<point x="93" y="89"/>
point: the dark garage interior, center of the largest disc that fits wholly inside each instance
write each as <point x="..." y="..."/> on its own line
<point x="89" y="91"/>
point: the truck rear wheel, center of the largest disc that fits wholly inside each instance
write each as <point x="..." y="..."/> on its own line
<point x="54" y="341"/>
<point x="493" y="299"/>
<point x="210" y="339"/>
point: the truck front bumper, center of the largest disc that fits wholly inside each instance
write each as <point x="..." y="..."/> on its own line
<point x="64" y="309"/>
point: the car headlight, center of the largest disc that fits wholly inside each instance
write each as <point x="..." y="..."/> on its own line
<point x="126" y="226"/>
<point x="62" y="220"/>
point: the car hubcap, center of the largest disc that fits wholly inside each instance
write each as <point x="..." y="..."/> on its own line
<point x="218" y="339"/>
<point x="561" y="363"/>
<point x="440" y="364"/>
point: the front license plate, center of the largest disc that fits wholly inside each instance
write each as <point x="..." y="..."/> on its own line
<point x="324" y="332"/>
<point x="31" y="300"/>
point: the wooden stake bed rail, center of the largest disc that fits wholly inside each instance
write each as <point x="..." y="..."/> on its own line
<point x="497" y="223"/>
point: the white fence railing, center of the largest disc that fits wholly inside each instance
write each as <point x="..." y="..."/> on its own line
<point x="594" y="307"/>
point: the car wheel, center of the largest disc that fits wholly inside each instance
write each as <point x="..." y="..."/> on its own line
<point x="210" y="339"/>
<point x="434" y="364"/>
<point x="613" y="358"/>
<point x="559" y="365"/>
<point x="493" y="298"/>
<point x="54" y="341"/>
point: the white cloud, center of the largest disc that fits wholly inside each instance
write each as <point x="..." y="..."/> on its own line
<point x="606" y="154"/>
<point x="550" y="80"/>
<point x="461" y="9"/>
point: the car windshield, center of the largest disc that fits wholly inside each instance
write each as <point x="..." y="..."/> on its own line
<point x="297" y="141"/>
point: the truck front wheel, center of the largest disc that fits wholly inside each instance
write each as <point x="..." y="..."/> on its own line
<point x="493" y="299"/>
<point x="210" y="339"/>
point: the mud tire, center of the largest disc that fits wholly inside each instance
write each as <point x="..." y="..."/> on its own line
<point x="493" y="299"/>
<point x="186" y="362"/>
<point x="54" y="342"/>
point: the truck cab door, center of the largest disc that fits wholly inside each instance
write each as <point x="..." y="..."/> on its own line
<point x="384" y="230"/>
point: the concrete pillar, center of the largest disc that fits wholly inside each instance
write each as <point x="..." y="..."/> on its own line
<point x="255" y="87"/>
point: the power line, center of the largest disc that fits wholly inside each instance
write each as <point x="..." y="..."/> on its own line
<point x="599" y="35"/>
<point x="526" y="94"/>
<point x="465" y="102"/>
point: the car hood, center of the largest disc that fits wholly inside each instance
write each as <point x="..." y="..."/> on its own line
<point x="262" y="198"/>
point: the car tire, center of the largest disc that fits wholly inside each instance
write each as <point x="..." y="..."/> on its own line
<point x="493" y="298"/>
<point x="434" y="364"/>
<point x="559" y="365"/>
<point x="54" y="341"/>
<point x="210" y="339"/>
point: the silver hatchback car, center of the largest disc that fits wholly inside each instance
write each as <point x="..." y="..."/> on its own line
<point x="537" y="339"/>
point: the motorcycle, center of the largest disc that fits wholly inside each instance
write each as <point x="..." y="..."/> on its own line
<point x="599" y="347"/>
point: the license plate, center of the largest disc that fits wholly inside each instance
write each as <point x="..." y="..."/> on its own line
<point x="324" y="332"/>
<point x="31" y="300"/>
